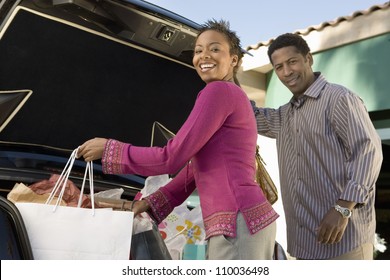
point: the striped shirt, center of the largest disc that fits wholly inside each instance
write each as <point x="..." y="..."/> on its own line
<point x="328" y="149"/>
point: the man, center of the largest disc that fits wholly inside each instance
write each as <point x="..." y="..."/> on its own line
<point x="329" y="158"/>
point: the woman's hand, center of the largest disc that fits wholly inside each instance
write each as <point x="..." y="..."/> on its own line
<point x="92" y="149"/>
<point x="137" y="206"/>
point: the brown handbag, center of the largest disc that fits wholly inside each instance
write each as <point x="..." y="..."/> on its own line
<point x="264" y="179"/>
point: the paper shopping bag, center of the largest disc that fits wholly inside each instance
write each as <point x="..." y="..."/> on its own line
<point x="64" y="232"/>
<point x="22" y="193"/>
<point x="74" y="233"/>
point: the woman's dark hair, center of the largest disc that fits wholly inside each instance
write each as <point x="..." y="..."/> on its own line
<point x="223" y="27"/>
<point x="288" y="40"/>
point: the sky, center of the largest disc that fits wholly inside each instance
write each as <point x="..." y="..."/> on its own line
<point x="257" y="20"/>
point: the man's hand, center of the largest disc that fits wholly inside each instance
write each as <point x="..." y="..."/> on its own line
<point x="332" y="227"/>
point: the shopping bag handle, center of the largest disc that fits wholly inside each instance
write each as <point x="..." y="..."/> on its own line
<point x="89" y="170"/>
<point x="63" y="178"/>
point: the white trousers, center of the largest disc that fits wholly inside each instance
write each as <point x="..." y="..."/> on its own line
<point x="244" y="246"/>
<point x="364" y="252"/>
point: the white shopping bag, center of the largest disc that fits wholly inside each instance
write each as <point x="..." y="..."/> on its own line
<point x="61" y="232"/>
<point x="74" y="233"/>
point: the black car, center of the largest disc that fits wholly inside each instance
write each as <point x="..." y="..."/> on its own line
<point x="71" y="70"/>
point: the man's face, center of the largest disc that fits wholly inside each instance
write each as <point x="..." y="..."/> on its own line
<point x="293" y="69"/>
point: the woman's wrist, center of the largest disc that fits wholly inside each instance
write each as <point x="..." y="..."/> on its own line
<point x="138" y="205"/>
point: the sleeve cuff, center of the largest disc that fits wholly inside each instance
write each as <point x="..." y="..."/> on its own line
<point x="112" y="157"/>
<point x="160" y="207"/>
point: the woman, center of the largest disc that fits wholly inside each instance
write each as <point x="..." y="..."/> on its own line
<point x="218" y="141"/>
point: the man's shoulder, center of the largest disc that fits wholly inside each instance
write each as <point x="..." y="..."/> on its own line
<point x="339" y="96"/>
<point x="337" y="87"/>
<point x="335" y="91"/>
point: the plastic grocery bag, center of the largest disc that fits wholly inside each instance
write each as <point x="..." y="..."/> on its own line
<point x="182" y="222"/>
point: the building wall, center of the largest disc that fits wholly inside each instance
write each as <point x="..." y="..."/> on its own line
<point x="363" y="67"/>
<point x="352" y="50"/>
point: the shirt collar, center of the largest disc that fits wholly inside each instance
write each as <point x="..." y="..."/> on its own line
<point x="313" y="91"/>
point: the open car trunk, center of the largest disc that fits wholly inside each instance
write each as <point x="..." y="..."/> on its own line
<point x="71" y="70"/>
<point x="110" y="72"/>
<point x="87" y="84"/>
